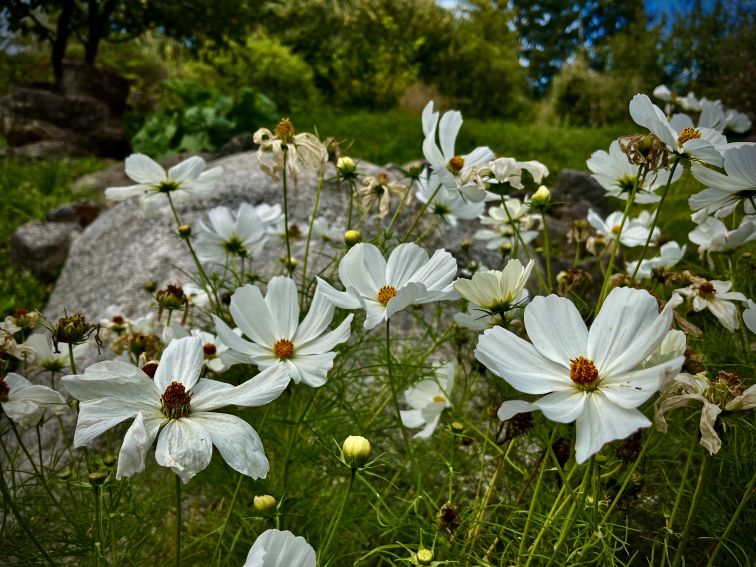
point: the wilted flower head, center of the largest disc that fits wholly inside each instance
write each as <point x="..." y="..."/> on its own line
<point x="73" y="330"/>
<point x="714" y="295"/>
<point x="297" y="151"/>
<point x="378" y="189"/>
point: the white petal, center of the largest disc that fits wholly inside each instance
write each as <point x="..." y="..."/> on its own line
<point x="404" y="261"/>
<point x="562" y="407"/>
<point x="311" y="369"/>
<point x="283" y="304"/>
<point x="97" y="416"/>
<point x="448" y="128"/>
<point x="187" y="170"/>
<point x="342" y="299"/>
<point x="409" y="294"/>
<point x="257" y="391"/>
<point x="144" y="169"/>
<point x="364" y="269"/>
<point x="602" y="422"/>
<point x="136" y="444"/>
<point x="275" y="548"/>
<point x="556" y="329"/>
<point x="113" y="379"/>
<point x="185" y="447"/>
<point x="251" y="315"/>
<point x="316" y="321"/>
<point x="511" y="408"/>
<point x="123" y="193"/>
<point x="328" y="341"/>
<point x="635" y="387"/>
<point x="412" y="418"/>
<point x="236" y="440"/>
<point x="181" y="362"/>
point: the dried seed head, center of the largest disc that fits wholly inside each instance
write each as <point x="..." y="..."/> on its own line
<point x="150" y="368"/>
<point x="72" y="330"/>
<point x="284" y="131"/>
<point x="646" y="151"/>
<point x="175" y="401"/>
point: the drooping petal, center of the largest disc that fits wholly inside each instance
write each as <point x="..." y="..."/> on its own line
<point x="556" y="329"/>
<point x="327" y="341"/>
<point x="181" y="362"/>
<point x="97" y="416"/>
<point x="123" y="193"/>
<point x="342" y="299"/>
<point x="412" y="418"/>
<point x="511" y="408"/>
<point x="410" y="294"/>
<point x="635" y="387"/>
<point x="311" y="369"/>
<point x="137" y="442"/>
<point x="244" y="350"/>
<point x="113" y="379"/>
<point x="257" y="391"/>
<point x="185" y="447"/>
<point x="236" y="440"/>
<point x="187" y="170"/>
<point x="603" y="421"/>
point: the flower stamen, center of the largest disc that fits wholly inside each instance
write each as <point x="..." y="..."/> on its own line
<point x="584" y="373"/>
<point x="386" y="294"/>
<point x="456" y="164"/>
<point x="688" y="134"/>
<point x="283" y="349"/>
<point x="174" y="403"/>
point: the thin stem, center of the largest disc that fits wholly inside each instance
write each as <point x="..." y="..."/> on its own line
<point x="98" y="524"/>
<point x="576" y="504"/>
<point x="309" y="237"/>
<point x="178" y="521"/>
<point x="628" y="478"/>
<point x="420" y="213"/>
<point x="520" y="239"/>
<point x="337" y="519"/>
<point x="656" y="217"/>
<point x="351" y="204"/>
<point x="289" y="266"/>
<point x="395" y="399"/>
<point x="401" y="204"/>
<point x="225" y="522"/>
<point x="547" y="249"/>
<point x="71" y="361"/>
<point x="680" y="491"/>
<point x="8" y="499"/>
<point x="747" y="494"/>
<point x="293" y="439"/>
<point x="692" y="511"/>
<point x="616" y="242"/>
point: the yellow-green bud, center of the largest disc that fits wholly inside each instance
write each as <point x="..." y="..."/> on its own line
<point x="264" y="504"/>
<point x="352" y="237"/>
<point x="150" y="286"/>
<point x="97" y="478"/>
<point x="424" y="556"/>
<point x="65" y="474"/>
<point x="109" y="460"/>
<point x="185" y="231"/>
<point x="291" y="264"/>
<point x="346" y="166"/>
<point x="541" y="198"/>
<point x="356" y="450"/>
<point x="457" y="427"/>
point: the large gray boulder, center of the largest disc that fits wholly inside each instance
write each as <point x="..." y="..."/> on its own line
<point x="122" y="250"/>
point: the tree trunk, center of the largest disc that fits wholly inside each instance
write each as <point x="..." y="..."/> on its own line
<point x="62" y="33"/>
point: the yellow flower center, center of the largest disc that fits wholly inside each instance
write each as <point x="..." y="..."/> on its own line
<point x="688" y="134"/>
<point x="439" y="399"/>
<point x="285" y="131"/>
<point x="283" y="349"/>
<point x="584" y="373"/>
<point x="616" y="229"/>
<point x="175" y="401"/>
<point x="385" y="294"/>
<point x="456" y="164"/>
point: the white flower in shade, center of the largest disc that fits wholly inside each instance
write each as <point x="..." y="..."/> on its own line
<point x="712" y="116"/>
<point x="673" y="346"/>
<point x="749" y="316"/>
<point x="593" y="376"/>
<point x="662" y="92"/>
<point x="183" y="181"/>
<point x="454" y="171"/>
<point x="275" y="334"/>
<point x="383" y="288"/>
<point x="477" y="319"/>
<point x="737" y="121"/>
<point x="428" y="399"/>
<point x="501" y="232"/>
<point x="726" y="393"/>
<point x="449" y="205"/>
<point x="230" y="234"/>
<point x="276" y="548"/>
<point x="25" y="403"/>
<point x="325" y="231"/>
<point x="617" y="175"/>
<point x="178" y="408"/>
<point x="493" y="290"/>
<point x="698" y="143"/>
<point x="44" y="355"/>
<point x="302" y="151"/>
<point x="509" y="170"/>
<point x="634" y="233"/>
<point x="714" y="295"/>
<point x="216" y="355"/>
<point x="713" y="236"/>
<point x="272" y="217"/>
<point x="670" y="254"/>
<point x="725" y="191"/>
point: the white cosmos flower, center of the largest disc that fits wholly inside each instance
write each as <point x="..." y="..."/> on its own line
<point x="698" y="143"/>
<point x="449" y="205"/>
<point x="177" y="408"/>
<point x="275" y="334"/>
<point x="25" y="403"/>
<point x="670" y="254"/>
<point x="509" y="170"/>
<point x="454" y="171"/>
<point x="634" y="233"/>
<point x="712" y="116"/>
<point x="749" y="316"/>
<point x="594" y="377"/>
<point x="276" y="548"/>
<point x="230" y="234"/>
<point x="46" y="358"/>
<point x="428" y="399"/>
<point x="724" y="191"/>
<point x="617" y="175"/>
<point x="184" y="181"/>
<point x="713" y="236"/>
<point x="715" y="295"/>
<point x="383" y="288"/>
<point x="216" y="354"/>
<point x="737" y="121"/>
<point x="501" y="232"/>
<point x="494" y="290"/>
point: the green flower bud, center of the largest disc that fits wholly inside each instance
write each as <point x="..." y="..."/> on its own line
<point x="356" y="451"/>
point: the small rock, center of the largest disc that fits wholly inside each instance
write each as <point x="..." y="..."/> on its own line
<point x="81" y="212"/>
<point x="236" y="145"/>
<point x="577" y="192"/>
<point x="42" y="247"/>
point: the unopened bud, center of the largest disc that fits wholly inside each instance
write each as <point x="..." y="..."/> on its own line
<point x="346" y="167"/>
<point x="150" y="286"/>
<point x="356" y="451"/>
<point x="97" y="478"/>
<point x="291" y="264"/>
<point x="65" y="474"/>
<point x="185" y="231"/>
<point x="264" y="504"/>
<point x="541" y="198"/>
<point x="352" y="237"/>
<point x="424" y="556"/>
<point x="109" y="460"/>
<point x="457" y="427"/>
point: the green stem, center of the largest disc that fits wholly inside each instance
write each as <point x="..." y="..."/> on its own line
<point x="547" y="250"/>
<point x="71" y="361"/>
<point x="628" y="478"/>
<point x="400" y="206"/>
<point x="351" y="204"/>
<point x="289" y="266"/>
<point x="293" y="440"/>
<point x="98" y="524"/>
<point x="309" y="237"/>
<point x="337" y="519"/>
<point x="692" y="511"/>
<point x="178" y="521"/>
<point x="747" y="494"/>
<point x="8" y="499"/>
<point x="225" y="522"/>
<point x="520" y="239"/>
<point x="420" y="213"/>
<point x="680" y="491"/>
<point x="656" y="217"/>
<point x="571" y="515"/>
<point x="616" y="242"/>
